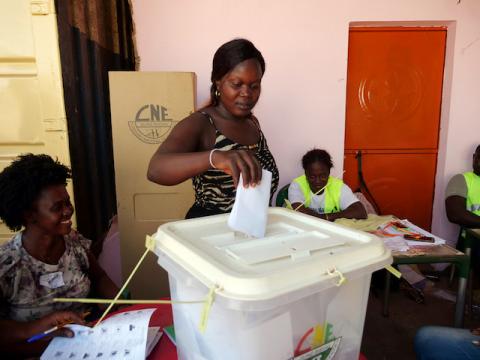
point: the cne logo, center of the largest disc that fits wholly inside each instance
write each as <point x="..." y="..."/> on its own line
<point x="318" y="343"/>
<point x="151" y="123"/>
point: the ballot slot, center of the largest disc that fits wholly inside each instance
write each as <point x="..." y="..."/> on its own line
<point x="295" y="246"/>
<point x="224" y="239"/>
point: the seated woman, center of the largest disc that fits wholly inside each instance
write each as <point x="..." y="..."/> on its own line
<point x="47" y="259"/>
<point x="318" y="194"/>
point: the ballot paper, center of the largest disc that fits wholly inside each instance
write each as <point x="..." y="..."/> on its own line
<point x="249" y="213"/>
<point x="153" y="336"/>
<point x="122" y="336"/>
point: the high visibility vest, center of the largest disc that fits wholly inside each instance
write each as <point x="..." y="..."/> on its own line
<point x="332" y="193"/>
<point x="473" y="192"/>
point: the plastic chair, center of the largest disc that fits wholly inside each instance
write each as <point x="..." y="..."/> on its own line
<point x="281" y="196"/>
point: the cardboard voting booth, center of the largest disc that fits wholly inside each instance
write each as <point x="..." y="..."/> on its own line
<point x="145" y="106"/>
<point x="298" y="293"/>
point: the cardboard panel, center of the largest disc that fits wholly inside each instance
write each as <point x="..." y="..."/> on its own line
<point x="145" y="107"/>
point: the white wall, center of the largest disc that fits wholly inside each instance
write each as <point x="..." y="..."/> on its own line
<point x="305" y="45"/>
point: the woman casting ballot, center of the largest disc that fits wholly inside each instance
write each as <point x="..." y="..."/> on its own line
<point x="215" y="145"/>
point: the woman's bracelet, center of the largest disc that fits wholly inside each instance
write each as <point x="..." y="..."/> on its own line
<point x="210" y="158"/>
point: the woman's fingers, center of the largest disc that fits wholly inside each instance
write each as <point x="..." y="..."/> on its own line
<point x="234" y="171"/>
<point x="65" y="317"/>
<point x="54" y="324"/>
<point x="62" y="332"/>
<point x="255" y="168"/>
<point x="236" y="162"/>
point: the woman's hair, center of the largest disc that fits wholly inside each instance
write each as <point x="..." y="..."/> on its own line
<point x="317" y="155"/>
<point x="22" y="182"/>
<point x="227" y="57"/>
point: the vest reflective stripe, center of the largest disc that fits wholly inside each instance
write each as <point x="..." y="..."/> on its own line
<point x="332" y="193"/>
<point x="473" y="192"/>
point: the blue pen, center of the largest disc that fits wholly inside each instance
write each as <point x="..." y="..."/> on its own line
<point x="42" y="335"/>
<point x="46" y="332"/>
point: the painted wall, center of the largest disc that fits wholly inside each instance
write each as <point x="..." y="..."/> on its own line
<point x="305" y="45"/>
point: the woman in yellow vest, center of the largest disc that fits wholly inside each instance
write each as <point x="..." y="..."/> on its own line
<point x="322" y="195"/>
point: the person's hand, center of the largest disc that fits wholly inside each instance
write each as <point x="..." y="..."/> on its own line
<point x="236" y="162"/>
<point x="58" y="318"/>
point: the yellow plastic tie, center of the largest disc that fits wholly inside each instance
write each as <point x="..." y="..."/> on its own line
<point x="150" y="243"/>
<point x="207" y="305"/>
<point x="120" y="292"/>
<point x="394" y="271"/>
<point x="334" y="272"/>
<point x="123" y="301"/>
<point x="288" y="204"/>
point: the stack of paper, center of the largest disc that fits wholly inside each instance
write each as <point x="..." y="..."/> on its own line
<point x="123" y="335"/>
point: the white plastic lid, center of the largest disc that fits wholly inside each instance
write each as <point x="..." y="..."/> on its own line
<point x="297" y="251"/>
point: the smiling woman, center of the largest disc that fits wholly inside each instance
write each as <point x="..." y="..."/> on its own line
<point x="47" y="259"/>
<point x="215" y="145"/>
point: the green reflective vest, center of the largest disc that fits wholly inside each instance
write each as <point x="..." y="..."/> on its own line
<point x="473" y="192"/>
<point x="332" y="193"/>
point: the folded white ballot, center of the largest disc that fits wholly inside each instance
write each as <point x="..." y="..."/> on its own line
<point x="249" y="213"/>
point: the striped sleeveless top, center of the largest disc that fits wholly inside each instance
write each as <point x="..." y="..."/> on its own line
<point x="214" y="190"/>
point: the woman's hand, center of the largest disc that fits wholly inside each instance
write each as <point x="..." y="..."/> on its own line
<point x="58" y="318"/>
<point x="236" y="162"/>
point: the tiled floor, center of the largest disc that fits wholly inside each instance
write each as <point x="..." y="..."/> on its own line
<point x="392" y="337"/>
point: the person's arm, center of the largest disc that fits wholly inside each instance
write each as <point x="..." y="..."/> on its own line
<point x="296" y="206"/>
<point x="457" y="212"/>
<point x="14" y="334"/>
<point x="101" y="282"/>
<point x="186" y="153"/>
<point x="353" y="208"/>
<point x="354" y="211"/>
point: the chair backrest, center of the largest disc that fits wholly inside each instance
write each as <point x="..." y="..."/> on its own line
<point x="367" y="204"/>
<point x="282" y="195"/>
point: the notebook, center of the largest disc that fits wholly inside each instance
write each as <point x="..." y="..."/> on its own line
<point x="154" y="334"/>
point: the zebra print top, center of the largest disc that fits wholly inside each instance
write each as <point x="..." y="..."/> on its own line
<point x="214" y="191"/>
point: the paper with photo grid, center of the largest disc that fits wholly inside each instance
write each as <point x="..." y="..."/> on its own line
<point x="122" y="336"/>
<point x="249" y="213"/>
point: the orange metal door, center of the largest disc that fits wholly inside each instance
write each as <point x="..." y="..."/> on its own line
<point x="394" y="92"/>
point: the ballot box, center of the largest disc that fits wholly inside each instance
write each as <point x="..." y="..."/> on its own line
<point x="298" y="293"/>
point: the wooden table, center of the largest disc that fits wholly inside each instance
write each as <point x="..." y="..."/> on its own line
<point x="431" y="255"/>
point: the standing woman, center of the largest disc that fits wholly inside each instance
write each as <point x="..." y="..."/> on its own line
<point x="215" y="145"/>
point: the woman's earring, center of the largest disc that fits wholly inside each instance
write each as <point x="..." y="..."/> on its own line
<point x="217" y="93"/>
